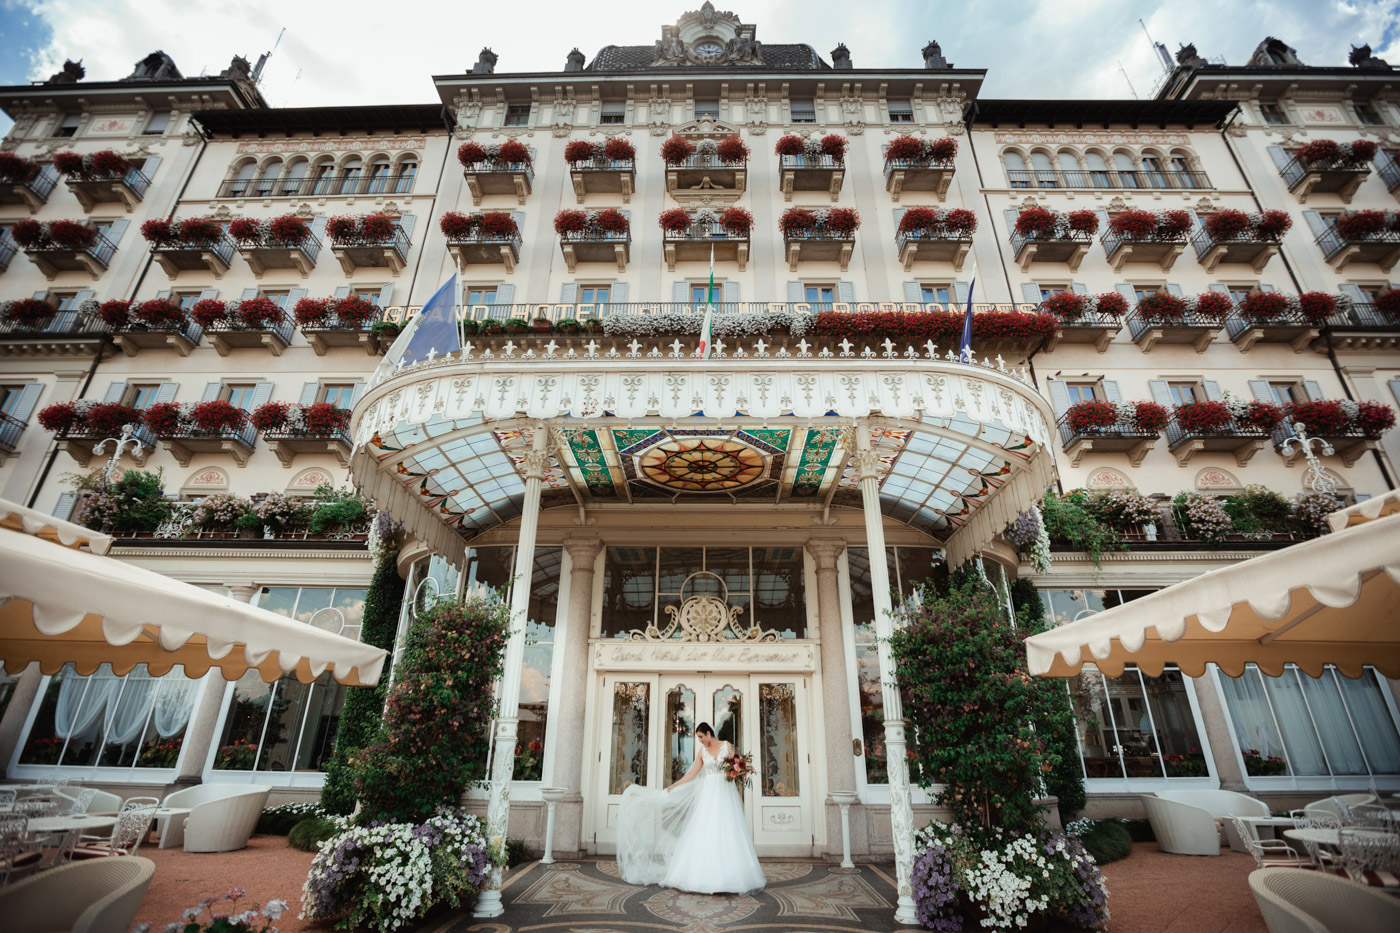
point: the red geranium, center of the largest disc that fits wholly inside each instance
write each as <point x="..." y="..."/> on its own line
<point x="245" y="229"/>
<point x="1215" y="305"/>
<point x="1261" y="306"/>
<point x="311" y="312"/>
<point x="28" y="232"/>
<point x="1067" y="306"/>
<point x="1149" y="416"/>
<point x="456" y="226"/>
<point x="68" y="162"/>
<point x="107" y="162"/>
<point x="1172" y="224"/>
<point x="1317" y="307"/>
<point x="1362" y="151"/>
<point x="1262" y="416"/>
<point x="115" y="313"/>
<point x="731" y="149"/>
<point x="570" y="221"/>
<point x="339" y="227"/>
<point x="1227" y="224"/>
<point x="208" y="311"/>
<point x="904" y="149"/>
<point x="619" y="150"/>
<point x="289" y="229"/>
<point x="377" y="227"/>
<point x="514" y="152"/>
<point x="353" y="311"/>
<point x="578" y="150"/>
<point x="676" y="150"/>
<point x="1035" y="221"/>
<point x="1355" y="225"/>
<point x="1374" y="419"/>
<point x="1114" y="304"/>
<point x="30" y="312"/>
<point x="159" y="231"/>
<point x="17" y="169"/>
<point x="70" y="234"/>
<point x="675" y="220"/>
<point x="1202" y="417"/>
<point x="920" y="220"/>
<point x="163" y="418"/>
<point x="789" y="145"/>
<point x="1388" y="302"/>
<point x="1320" y="150"/>
<point x="736" y="221"/>
<point x="217" y="415"/>
<point x="258" y="313"/>
<point x="843" y="221"/>
<point x="200" y="230"/>
<point x="796" y="221"/>
<point x="107" y="418"/>
<point x="943" y="150"/>
<point x="498" y="224"/>
<point x="1091" y="415"/>
<point x="159" y="312"/>
<point x="1083" y="221"/>
<point x="1273" y="224"/>
<point x="1133" y="224"/>
<point x="1161" y="306"/>
<point x="59" y="418"/>
<point x="611" y="220"/>
<point x="834" y="147"/>
<point x="270" y="416"/>
<point x="1325" y="418"/>
<point x="960" y="222"/>
<point x="470" y="154"/>
<point x="324" y="419"/>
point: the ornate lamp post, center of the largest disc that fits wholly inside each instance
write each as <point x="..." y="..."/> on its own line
<point x="112" y="472"/>
<point x="1316" y="478"/>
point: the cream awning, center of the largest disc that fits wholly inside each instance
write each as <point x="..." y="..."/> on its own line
<point x="61" y="604"/>
<point x="1333" y="600"/>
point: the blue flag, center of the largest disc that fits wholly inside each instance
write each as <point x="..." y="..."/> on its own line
<point x="436" y="327"/>
<point x="965" y="352"/>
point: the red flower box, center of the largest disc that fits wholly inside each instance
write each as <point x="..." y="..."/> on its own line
<point x="834" y="147"/>
<point x="1202" y="417"/>
<point x="30" y="312"/>
<point x="163" y="418"/>
<point x="208" y="311"/>
<point x="1273" y="224"/>
<point x="115" y="313"/>
<point x="1356" y="225"/>
<point x="1261" y="306"/>
<point x="1320" y="150"/>
<point x="1172" y="224"/>
<point x="258" y="313"/>
<point x="1388" y="302"/>
<point x="340" y="227"/>
<point x="1091" y="416"/>
<point x="17" y="169"/>
<point x="108" y="418"/>
<point x="68" y="163"/>
<point x="377" y="226"/>
<point x="1149" y="416"/>
<point x="619" y="150"/>
<point x="498" y="224"/>
<point x="1374" y="419"/>
<point x="159" y="312"/>
<point x="904" y="149"/>
<point x="59" y="418"/>
<point x="1324" y="418"/>
<point x="790" y="145"/>
<point x="1083" y="221"/>
<point x="107" y="162"/>
<point x="1133" y="224"/>
<point x="289" y="229"/>
<point x="200" y="230"/>
<point x="676" y="150"/>
<point x="1362" y="151"/>
<point x="797" y="221"/>
<point x="570" y="221"/>
<point x="311" y="312"/>
<point x="732" y="149"/>
<point x="457" y="226"/>
<point x="217" y="415"/>
<point x="1215" y="305"/>
<point x="960" y="222"/>
<point x="270" y="416"/>
<point x="843" y="221"/>
<point x="675" y="220"/>
<point x="611" y="220"/>
<point x="1067" y="306"/>
<point x="1114" y="304"/>
<point x="736" y="221"/>
<point x="1262" y="416"/>
<point x="324" y="420"/>
<point x="1317" y="307"/>
<point x="245" y="229"/>
<point x="28" y="232"/>
<point x="920" y="220"/>
<point x="1228" y="224"/>
<point x="353" y="311"/>
<point x="514" y="152"/>
<point x="942" y="150"/>
<point x="470" y="154"/>
<point x="578" y="150"/>
<point x="1035" y="221"/>
<point x="70" y="234"/>
<point x="1162" y="306"/>
<point x="160" y="231"/>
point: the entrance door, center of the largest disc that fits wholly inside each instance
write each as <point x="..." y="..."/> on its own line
<point x="649" y="738"/>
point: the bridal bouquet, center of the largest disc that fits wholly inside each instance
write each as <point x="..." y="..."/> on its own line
<point x="738" y="769"/>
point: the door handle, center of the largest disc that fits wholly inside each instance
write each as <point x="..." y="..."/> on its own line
<point x="856" y="748"/>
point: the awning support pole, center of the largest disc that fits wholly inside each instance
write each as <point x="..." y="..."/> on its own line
<point x="508" y="718"/>
<point x="901" y="814"/>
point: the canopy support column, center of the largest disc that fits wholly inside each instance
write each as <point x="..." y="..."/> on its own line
<point x="204" y="719"/>
<point x="901" y="815"/>
<point x="508" y="716"/>
<point x="573" y="722"/>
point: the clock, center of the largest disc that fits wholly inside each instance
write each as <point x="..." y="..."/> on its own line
<point x="708" y="49"/>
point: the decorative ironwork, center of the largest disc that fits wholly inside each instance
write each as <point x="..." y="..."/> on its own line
<point x="1316" y="477"/>
<point x="112" y="472"/>
<point x="704" y="617"/>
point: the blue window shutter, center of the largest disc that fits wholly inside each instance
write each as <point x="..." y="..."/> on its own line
<point x="42" y="295"/>
<point x="293" y="296"/>
<point x="898" y="216"/>
<point x="1213" y="392"/>
<point x="341" y="292"/>
<point x="318" y="226"/>
<point x="1161" y="392"/>
<point x="1079" y="288"/>
<point x="846" y="291"/>
<point x="386" y="295"/>
<point x="356" y="391"/>
<point x="115" y="391"/>
<point x="165" y="293"/>
<point x="519" y="218"/>
<point x="1267" y="288"/>
<point x="248" y="294"/>
<point x="406" y="222"/>
<point x="85" y="294"/>
<point x="568" y="293"/>
<point x="796" y="292"/>
<point x="1395" y="389"/>
<point x="1261" y="390"/>
<point x="960" y="292"/>
<point x="148" y="168"/>
<point x="1175" y="289"/>
<point x="114" y="232"/>
<point x="1030" y="291"/>
<point x="1127" y="291"/>
<point x="211" y="391"/>
<point x="262" y="391"/>
<point x="308" y="393"/>
<point x="208" y="294"/>
<point x="1280" y="157"/>
<point x="1111" y="392"/>
<point x="1355" y="293"/>
<point x="729" y="295"/>
<point x="1220" y="287"/>
<point x="1314" y="390"/>
<point x="1059" y="395"/>
<point x="505" y="294"/>
<point x="1315" y="223"/>
<point x="680" y="292"/>
<point x="1011" y="217"/>
<point x="28" y="398"/>
<point x="165" y="392"/>
<point x="64" y="508"/>
<point x="618" y="295"/>
<point x="913" y="291"/>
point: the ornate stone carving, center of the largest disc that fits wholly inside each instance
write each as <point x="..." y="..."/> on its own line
<point x="825" y="552"/>
<point x="933" y="57"/>
<point x="485" y="63"/>
<point x="704" y="617"/>
<point x="574" y="61"/>
<point x="71" y="73"/>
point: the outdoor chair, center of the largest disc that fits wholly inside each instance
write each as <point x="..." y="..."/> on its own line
<point x="1370" y="814"/>
<point x="81" y="801"/>
<point x="222" y="822"/>
<point x="1316" y="902"/>
<point x="1220" y="804"/>
<point x="86" y="897"/>
<point x="1370" y="856"/>
<point x="1339" y="805"/>
<point x="19" y="853"/>
<point x="101" y="804"/>
<point x="7" y="799"/>
<point x="1181" y="828"/>
<point x="133" y="825"/>
<point x="1268" y="853"/>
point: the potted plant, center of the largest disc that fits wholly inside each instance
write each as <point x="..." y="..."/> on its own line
<point x="1091" y="416"/>
<point x="1083" y="221"/>
<point x="17" y="169"/>
<point x="30" y="312"/>
<point x="834" y="147"/>
<point x="618" y="149"/>
<point x="515" y="325"/>
<point x="1374" y="419"/>
<point x="797" y="222"/>
<point x="489" y="327"/>
<point x="1150" y="417"/>
<point x="258" y="313"/>
<point x="593" y="325"/>
<point x="736" y="221"/>
<point x="1067" y="306"/>
<point x="1262" y="416"/>
<point x="456" y="226"/>
<point x="106" y="162"/>
<point x="108" y="418"/>
<point x="324" y="419"/>
<point x="59" y="417"/>
<point x="542" y="325"/>
<point x="1162" y="307"/>
<point x="288" y="229"/>
<point x="1202" y="417"/>
<point x="1133" y="224"/>
<point x="1325" y="417"/>
<point x="466" y="326"/>
<point x="567" y="326"/>
<point x="960" y="222"/>
<point x="1113" y="304"/>
<point x="208" y="311"/>
<point x="1320" y="150"/>
<point x="842" y="221"/>
<point x="1173" y="224"/>
<point x="920" y="221"/>
<point x="116" y="313"/>
<point x="676" y="150"/>
<point x="904" y="149"/>
<point x="270" y="416"/>
<point x="1261" y="306"/>
<point x="578" y="150"/>
<point x="68" y="162"/>
<point x="610" y="220"/>
<point x="1035" y="221"/>
<point x="942" y="150"/>
<point x="789" y="145"/>
<point x="1360" y="152"/>
<point x="200" y="230"/>
<point x="1214" y="305"/>
<point x="311" y="312"/>
<point x="1357" y="225"/>
<point x="377" y="227"/>
<point x="217" y="416"/>
<point x="1228" y="224"/>
<point x="675" y="220"/>
<point x="163" y="418"/>
<point x="339" y="227"/>
<point x="568" y="222"/>
<point x="70" y="234"/>
<point x="514" y="152"/>
<point x="353" y="311"/>
<point x="498" y="225"/>
<point x="29" y="233"/>
<point x="732" y="149"/>
<point x="470" y="154"/>
<point x="159" y="231"/>
<point x="1273" y="224"/>
<point x="160" y="313"/>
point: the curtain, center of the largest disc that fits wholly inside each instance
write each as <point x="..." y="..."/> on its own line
<point x="1304" y="750"/>
<point x="82" y="700"/>
<point x="127" y="714"/>
<point x="175" y="702"/>
<point x="1249" y="709"/>
<point x="1373" y="722"/>
<point x="1333" y="727"/>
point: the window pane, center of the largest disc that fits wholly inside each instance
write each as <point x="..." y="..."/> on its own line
<point x="870" y="697"/>
<point x="779" y="601"/>
<point x="630" y="721"/>
<point x="1373" y="722"/>
<point x="1176" y="735"/>
<point x="915" y="565"/>
<point x="285" y="711"/>
<point x="1255" y="733"/>
<point x="243" y="726"/>
<point x="539" y="656"/>
<point x="1097" y="741"/>
<point x="1333" y="728"/>
<point x="1299" y="737"/>
<point x="629" y="589"/>
<point x="43" y="745"/>
<point x="319" y="727"/>
<point x="676" y="564"/>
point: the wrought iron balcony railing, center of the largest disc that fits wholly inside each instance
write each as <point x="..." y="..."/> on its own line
<point x="1138" y="322"/>
<point x="134" y="179"/>
<point x="1332" y="241"/>
<point x="100" y="250"/>
<point x="904" y="165"/>
<point x="706" y="231"/>
<point x="222" y="248"/>
<point x="708" y="160"/>
<point x="1365" y="316"/>
<point x="340" y="184"/>
<point x="1296" y="171"/>
<point x="480" y="237"/>
<point x="1390" y="174"/>
<point x="603" y="165"/>
<point x="308" y="246"/>
<point x="187" y="328"/>
<point x="596" y="236"/>
<point x="34" y="191"/>
<point x="10" y="431"/>
<point x="800" y="162"/>
<point x="905" y="238"/>
<point x="1238" y="322"/>
<point x="1125" y="428"/>
<point x="1204" y="242"/>
<point x="247" y="435"/>
<point x="289" y="433"/>
<point x="8" y="248"/>
<point x="281" y="326"/>
<point x="67" y="323"/>
<point x="1019" y="241"/>
<point x="1113" y="241"/>
<point x="1177" y="435"/>
<point x="1108" y="179"/>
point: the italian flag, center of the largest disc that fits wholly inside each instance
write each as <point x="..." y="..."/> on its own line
<point x="702" y="352"/>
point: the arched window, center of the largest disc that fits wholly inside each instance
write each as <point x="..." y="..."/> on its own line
<point x="323" y="178"/>
<point x="1016" y="170"/>
<point x="267" y="179"/>
<point x="350" y="175"/>
<point x="378" y="175"/>
<point x="1182" y="173"/>
<point x="1069" y="165"/>
<point x="1098" y="170"/>
<point x="242" y="179"/>
<point x="1127" y="170"/>
<point x="1152" y="168"/>
<point x="295" y="177"/>
<point x="403" y="182"/>
<point x="1044" y="170"/>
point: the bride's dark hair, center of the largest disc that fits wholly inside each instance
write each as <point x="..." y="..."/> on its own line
<point x="705" y="728"/>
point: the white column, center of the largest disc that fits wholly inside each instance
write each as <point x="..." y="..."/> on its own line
<point x="568" y="703"/>
<point x="901" y="815"/>
<point x="204" y="720"/>
<point x="26" y="689"/>
<point x="508" y="717"/>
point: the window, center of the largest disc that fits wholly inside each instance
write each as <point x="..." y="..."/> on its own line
<point x="900" y="110"/>
<point x="325" y="178"/>
<point x="1272" y="112"/>
<point x="1142" y="291"/>
<point x="350" y="179"/>
<point x="594" y="295"/>
<point x="277" y="297"/>
<point x="699" y="295"/>
<point x="518" y="115"/>
<point x="707" y="108"/>
<point x="1366" y="113"/>
<point x="803" y="110"/>
<point x="267" y="180"/>
<point x="1045" y="175"/>
<point x="1184" y="393"/>
<point x="141" y="396"/>
<point x="481" y="296"/>
<point x="614" y="111"/>
<point x="337" y="395"/>
<point x="1153" y="167"/>
<point x="403" y="184"/>
<point x="9" y="398"/>
<point x="186" y="300"/>
<point x="1098" y="170"/>
<point x="64" y="301"/>
<point x="1181" y="169"/>
<point x="1082" y="392"/>
<point x="1304" y="726"/>
<point x="68" y="126"/>
<point x="823" y="295"/>
<point x="1016" y="170"/>
<point x="1136" y="726"/>
<point x="157" y="124"/>
<point x="294" y="179"/>
<point x="1049" y="291"/>
<point x="239" y="395"/>
<point x="1239" y="293"/>
<point x="1286" y="393"/>
<point x="378" y="176"/>
<point x="939" y="294"/>
<point x="1127" y="170"/>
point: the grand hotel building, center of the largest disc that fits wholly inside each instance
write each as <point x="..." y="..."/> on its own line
<point x="660" y="498"/>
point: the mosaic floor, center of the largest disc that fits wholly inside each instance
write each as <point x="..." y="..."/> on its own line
<point x="588" y="897"/>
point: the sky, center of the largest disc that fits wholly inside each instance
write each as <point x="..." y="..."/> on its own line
<point x="355" y="52"/>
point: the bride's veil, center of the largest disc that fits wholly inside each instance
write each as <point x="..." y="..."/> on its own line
<point x="649" y="822"/>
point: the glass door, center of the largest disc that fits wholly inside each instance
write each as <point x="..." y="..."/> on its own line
<point x="781" y="795"/>
<point x="625" y="754"/>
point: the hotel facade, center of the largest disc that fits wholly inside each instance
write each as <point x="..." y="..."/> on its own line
<point x="697" y="533"/>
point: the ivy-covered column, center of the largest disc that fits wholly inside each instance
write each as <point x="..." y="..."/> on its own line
<point x="508" y="717"/>
<point x="204" y="719"/>
<point x="901" y="814"/>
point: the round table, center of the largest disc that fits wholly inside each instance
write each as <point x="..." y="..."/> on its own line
<point x="67" y="824"/>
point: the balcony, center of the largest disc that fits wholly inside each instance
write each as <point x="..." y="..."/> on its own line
<point x="10" y="431"/>
<point x="228" y="334"/>
<point x="1190" y="328"/>
<point x="932" y="246"/>
<point x="8" y="248"/>
<point x="695" y="243"/>
<point x="269" y="252"/>
<point x="331" y="333"/>
<point x="1067" y="246"/>
<point x="1390" y="174"/>
<point x="1089" y="327"/>
<point x="32" y="194"/>
<point x="1341" y="250"/>
<point x="812" y="173"/>
<point x="1288" y="326"/>
<point x="80" y="443"/>
<point x="67" y="333"/>
<point x="128" y="188"/>
<point x="180" y="336"/>
<point x="489" y="177"/>
<point x="289" y="442"/>
<point x="818" y="245"/>
<point x="704" y="178"/>
<point x="1248" y="248"/>
<point x="1365" y="327"/>
<point x="1123" y="248"/>
<point x="903" y="175"/>
<point x="176" y="256"/>
<point x="53" y="258"/>
<point x="1348" y="444"/>
<point x="480" y="248"/>
<point x="359" y="251"/>
<point x="186" y="440"/>
<point x="604" y="176"/>
<point x="1123" y="437"/>
<point x="1109" y="179"/>
<point x="1340" y="176"/>
<point x="343" y="185"/>
<point x="596" y="246"/>
<point x="1241" y="440"/>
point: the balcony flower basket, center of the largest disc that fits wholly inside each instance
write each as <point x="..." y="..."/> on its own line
<point x="217" y="416"/>
<point x="675" y="220"/>
<point x="1316" y="307"/>
<point x="1324" y="418"/>
<point x="1036" y="221"/>
<point x="1373" y="419"/>
<point x="1067" y="306"/>
<point x="1113" y="304"/>
<point x="610" y="220"/>
<point x="1388" y="302"/>
<point x="353" y="311"/>
<point x="1215" y="306"/>
<point x="1262" y="306"/>
<point x="341" y="227"/>
<point x="921" y="221"/>
<point x="69" y="234"/>
<point x="108" y="418"/>
<point x="676" y="150"/>
<point x="115" y="313"/>
<point x="1357" y="225"/>
<point x="498" y="224"/>
<point x="68" y="163"/>
<point x="1150" y="417"/>
<point x="619" y="150"/>
<point x="30" y="312"/>
<point x="470" y="154"/>
<point x="1122" y="511"/>
<point x="1162" y="308"/>
<point x="789" y="145"/>
<point x="580" y="150"/>
<point x="842" y="222"/>
<point x="570" y="221"/>
<point x="224" y="512"/>
<point x="376" y="227"/>
<point x="1173" y="224"/>
<point x="736" y="221"/>
<point x="457" y="226"/>
<point x="732" y="150"/>
<point x="489" y="327"/>
<point x="281" y="512"/>
<point x="289" y="229"/>
<point x="1260" y="415"/>
<point x="258" y="313"/>
<point x="200" y="230"/>
<point x="1082" y="221"/>
<point x="797" y="221"/>
<point x="834" y="147"/>
<point x="324" y="419"/>
<point x="542" y="325"/>
<point x="1202" y="417"/>
<point x="1133" y="224"/>
<point x="208" y="311"/>
<point x="60" y="417"/>
<point x="513" y="152"/>
<point x="1272" y="224"/>
<point x="515" y="325"/>
<point x="159" y="231"/>
<point x="913" y="149"/>
<point x="1320" y="150"/>
<point x="960" y="222"/>
<point x="17" y="169"/>
<point x="110" y="164"/>
<point x="1228" y="224"/>
<point x="245" y="230"/>
<point x="568" y="326"/>
<point x="1091" y="416"/>
<point x="311" y="312"/>
<point x="270" y="416"/>
<point x="159" y="312"/>
<point x="163" y="418"/>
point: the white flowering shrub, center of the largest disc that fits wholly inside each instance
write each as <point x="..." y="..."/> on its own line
<point x="1202" y="517"/>
<point x="1028" y="533"/>
<point x="671" y="323"/>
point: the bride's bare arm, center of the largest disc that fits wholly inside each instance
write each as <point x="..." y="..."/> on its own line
<point x="689" y="775"/>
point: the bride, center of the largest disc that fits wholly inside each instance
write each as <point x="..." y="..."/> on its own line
<point x="693" y="835"/>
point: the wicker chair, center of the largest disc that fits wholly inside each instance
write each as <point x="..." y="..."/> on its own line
<point x="7" y="799"/>
<point x="1316" y="902"/>
<point x="1268" y="853"/>
<point x="89" y="897"/>
<point x="19" y="853"/>
<point x="133" y="825"/>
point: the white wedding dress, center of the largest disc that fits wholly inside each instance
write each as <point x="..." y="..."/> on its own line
<point x="694" y="838"/>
